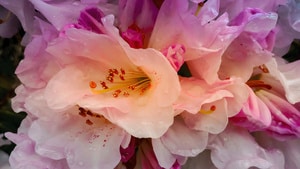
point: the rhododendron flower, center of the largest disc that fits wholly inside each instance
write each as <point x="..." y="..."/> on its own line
<point x="106" y="74"/>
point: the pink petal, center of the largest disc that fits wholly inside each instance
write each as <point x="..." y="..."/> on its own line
<point x="59" y="14"/>
<point x="235" y="148"/>
<point x="84" y="145"/>
<point x="188" y="143"/>
<point x="214" y="122"/>
<point x="203" y="160"/>
<point x="23" y="10"/>
<point x="289" y="148"/>
<point x="288" y="75"/>
<point x="285" y="117"/>
<point x="254" y="114"/>
<point x="140" y="12"/>
<point x="24" y="155"/>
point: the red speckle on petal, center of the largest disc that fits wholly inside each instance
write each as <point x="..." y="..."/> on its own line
<point x="89" y="122"/>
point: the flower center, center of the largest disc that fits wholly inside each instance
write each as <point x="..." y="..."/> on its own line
<point x="121" y="82"/>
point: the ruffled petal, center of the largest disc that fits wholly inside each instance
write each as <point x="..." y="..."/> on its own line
<point x="102" y="140"/>
<point x="255" y="115"/>
<point x="212" y="122"/>
<point x="24" y="155"/>
<point x="201" y="161"/>
<point x="188" y="143"/>
<point x="224" y="152"/>
<point x="285" y="117"/>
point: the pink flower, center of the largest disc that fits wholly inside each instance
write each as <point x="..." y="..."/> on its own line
<point x="106" y="74"/>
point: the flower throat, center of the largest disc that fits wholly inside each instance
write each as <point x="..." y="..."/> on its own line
<point x="120" y="82"/>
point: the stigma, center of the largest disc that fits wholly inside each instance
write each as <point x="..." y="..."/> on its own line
<point x="121" y="82"/>
<point x="209" y="111"/>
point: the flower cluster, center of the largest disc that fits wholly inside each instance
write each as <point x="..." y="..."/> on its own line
<point x="156" y="84"/>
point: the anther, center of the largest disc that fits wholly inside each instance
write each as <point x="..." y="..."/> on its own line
<point x="122" y="77"/>
<point x="93" y="84"/>
<point x="126" y="94"/>
<point x="263" y="68"/>
<point x="110" y="78"/>
<point x="116" y="93"/>
<point x="122" y="71"/>
<point x="103" y="84"/>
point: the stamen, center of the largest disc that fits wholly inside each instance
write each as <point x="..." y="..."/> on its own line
<point x="211" y="110"/>
<point x="258" y="84"/>
<point x="200" y="5"/>
<point x="103" y="84"/>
